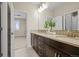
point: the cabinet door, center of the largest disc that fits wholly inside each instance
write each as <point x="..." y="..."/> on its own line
<point x="40" y="47"/>
<point x="50" y="52"/>
<point x="34" y="41"/>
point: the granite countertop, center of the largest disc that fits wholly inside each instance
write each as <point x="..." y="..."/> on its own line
<point x="61" y="38"/>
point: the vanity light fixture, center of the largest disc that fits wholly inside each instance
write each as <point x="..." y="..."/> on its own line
<point x="43" y="7"/>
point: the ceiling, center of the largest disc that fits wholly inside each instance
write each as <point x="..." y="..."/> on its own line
<point x="51" y="5"/>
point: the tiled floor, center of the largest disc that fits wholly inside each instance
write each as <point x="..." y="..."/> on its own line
<point x="21" y="50"/>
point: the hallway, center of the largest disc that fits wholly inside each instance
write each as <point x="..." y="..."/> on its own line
<point x="21" y="49"/>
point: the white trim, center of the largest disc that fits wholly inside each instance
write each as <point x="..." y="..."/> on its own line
<point x="70" y="11"/>
<point x="63" y="22"/>
<point x="4" y="26"/>
<point x="78" y="19"/>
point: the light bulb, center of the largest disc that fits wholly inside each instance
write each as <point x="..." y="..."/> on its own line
<point x="43" y="7"/>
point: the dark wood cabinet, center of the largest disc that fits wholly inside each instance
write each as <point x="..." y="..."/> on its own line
<point x="34" y="42"/>
<point x="46" y="47"/>
<point x="50" y="52"/>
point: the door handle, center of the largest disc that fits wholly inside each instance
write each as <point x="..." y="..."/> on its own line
<point x="12" y="33"/>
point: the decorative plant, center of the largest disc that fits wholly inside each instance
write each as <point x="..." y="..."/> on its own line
<point x="49" y="24"/>
<point x="46" y="24"/>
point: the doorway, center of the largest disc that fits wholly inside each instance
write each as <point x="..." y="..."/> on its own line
<point x="20" y="32"/>
<point x="20" y="27"/>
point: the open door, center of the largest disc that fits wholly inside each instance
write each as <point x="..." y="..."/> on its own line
<point x="10" y="29"/>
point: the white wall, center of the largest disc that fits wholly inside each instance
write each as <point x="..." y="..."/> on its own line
<point x="4" y="26"/>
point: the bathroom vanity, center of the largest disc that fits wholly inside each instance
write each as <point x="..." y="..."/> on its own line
<point x="53" y="45"/>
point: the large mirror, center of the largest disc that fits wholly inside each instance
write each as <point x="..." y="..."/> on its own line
<point x="71" y="21"/>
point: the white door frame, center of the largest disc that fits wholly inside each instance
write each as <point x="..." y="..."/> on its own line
<point x="23" y="16"/>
